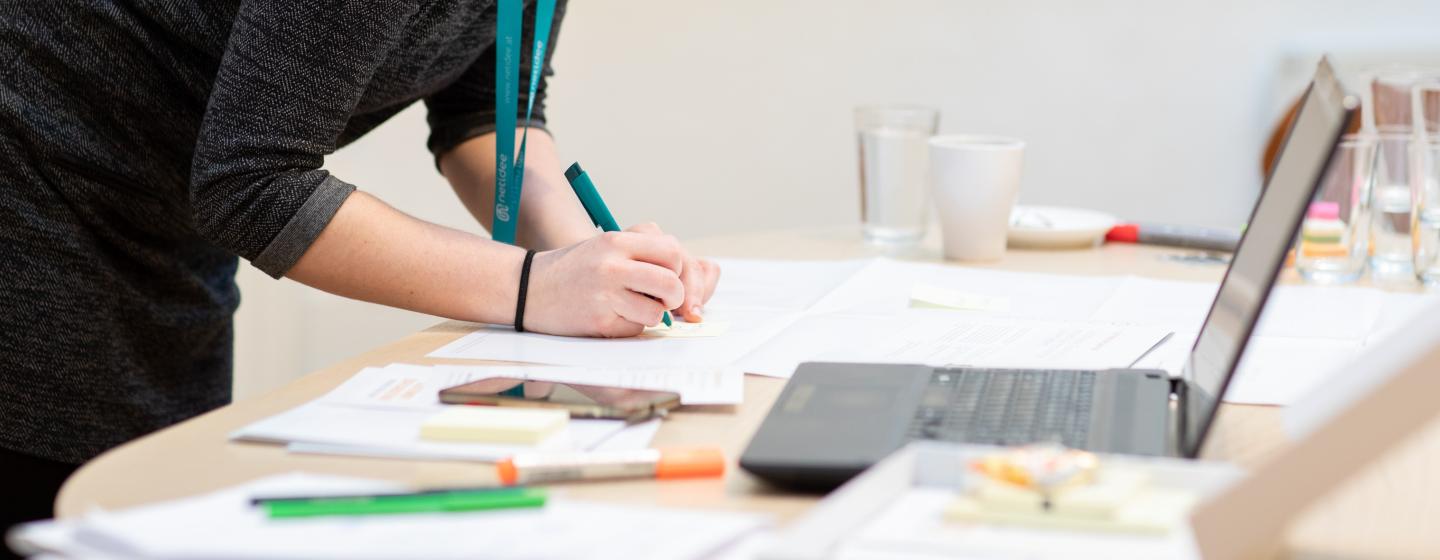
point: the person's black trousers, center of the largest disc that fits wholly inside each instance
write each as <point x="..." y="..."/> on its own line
<point x="28" y="486"/>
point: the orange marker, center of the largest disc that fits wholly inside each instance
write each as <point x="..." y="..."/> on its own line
<point x="540" y="468"/>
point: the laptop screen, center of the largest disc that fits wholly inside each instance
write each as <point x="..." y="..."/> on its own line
<point x="1322" y="118"/>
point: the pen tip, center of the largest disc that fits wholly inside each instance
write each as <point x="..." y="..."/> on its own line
<point x="666" y="319"/>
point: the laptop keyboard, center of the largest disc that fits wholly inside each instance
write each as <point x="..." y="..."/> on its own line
<point x="1006" y="407"/>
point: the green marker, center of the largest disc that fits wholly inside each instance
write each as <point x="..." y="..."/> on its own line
<point x="595" y="206"/>
<point x="420" y="502"/>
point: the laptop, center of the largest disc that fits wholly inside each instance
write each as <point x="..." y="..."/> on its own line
<point x="834" y="420"/>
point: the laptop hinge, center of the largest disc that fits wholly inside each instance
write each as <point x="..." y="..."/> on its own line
<point x="1177" y="386"/>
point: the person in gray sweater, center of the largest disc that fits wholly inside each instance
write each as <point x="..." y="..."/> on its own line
<point x="146" y="144"/>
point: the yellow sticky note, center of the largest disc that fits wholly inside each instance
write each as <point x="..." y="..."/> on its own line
<point x="1120" y="501"/>
<point x="493" y="424"/>
<point x="935" y="297"/>
<point x="687" y="330"/>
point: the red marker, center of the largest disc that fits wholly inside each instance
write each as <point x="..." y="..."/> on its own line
<point x="1176" y="236"/>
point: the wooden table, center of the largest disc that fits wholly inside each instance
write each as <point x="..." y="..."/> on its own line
<point x="1393" y="510"/>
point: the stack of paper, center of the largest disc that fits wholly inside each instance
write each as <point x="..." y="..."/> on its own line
<point x="225" y="525"/>
<point x="380" y="411"/>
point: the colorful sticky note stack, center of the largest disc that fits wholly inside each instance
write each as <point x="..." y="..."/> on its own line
<point x="1323" y="235"/>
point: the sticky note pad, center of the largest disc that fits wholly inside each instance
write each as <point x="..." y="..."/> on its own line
<point x="687" y="330"/>
<point x="1120" y="501"/>
<point x="923" y="296"/>
<point x="492" y="424"/>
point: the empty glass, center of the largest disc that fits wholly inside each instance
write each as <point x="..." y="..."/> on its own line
<point x="893" y="166"/>
<point x="1333" y="240"/>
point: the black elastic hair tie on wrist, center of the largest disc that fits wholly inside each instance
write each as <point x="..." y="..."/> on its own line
<point x="524" y="287"/>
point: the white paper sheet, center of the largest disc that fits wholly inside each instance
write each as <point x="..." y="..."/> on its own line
<point x="1280" y="370"/>
<point x="778" y="284"/>
<point x="396" y="433"/>
<point x="1305" y="333"/>
<point x="403" y="386"/>
<point x="631" y="438"/>
<point x="1382" y="359"/>
<point x="1179" y="306"/>
<point x="748" y="328"/>
<point x="884" y="286"/>
<point x="929" y="296"/>
<point x="225" y="525"/>
<point x="943" y="339"/>
<point x="817" y="337"/>
<point x="1334" y="312"/>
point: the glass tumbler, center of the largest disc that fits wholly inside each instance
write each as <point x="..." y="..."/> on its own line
<point x="894" y="198"/>
<point x="1391" y="207"/>
<point x="1333" y="240"/>
<point x="1426" y="184"/>
<point x="1425" y="180"/>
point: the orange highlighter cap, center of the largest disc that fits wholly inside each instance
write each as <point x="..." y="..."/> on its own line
<point x="690" y="463"/>
<point x="509" y="475"/>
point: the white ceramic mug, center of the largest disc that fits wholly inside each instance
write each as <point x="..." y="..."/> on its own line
<point x="975" y="180"/>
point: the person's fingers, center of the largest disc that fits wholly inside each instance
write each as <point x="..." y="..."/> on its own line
<point x="655" y="248"/>
<point x="712" y="278"/>
<point x="647" y="227"/>
<point x="656" y="282"/>
<point x="693" y="278"/>
<point x="638" y="309"/>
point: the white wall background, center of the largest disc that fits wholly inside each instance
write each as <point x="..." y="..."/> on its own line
<point x="713" y="117"/>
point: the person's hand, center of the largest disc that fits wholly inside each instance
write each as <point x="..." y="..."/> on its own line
<point x="699" y="276"/>
<point x="611" y="285"/>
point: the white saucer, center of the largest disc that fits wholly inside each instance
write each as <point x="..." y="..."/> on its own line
<point x="1057" y="227"/>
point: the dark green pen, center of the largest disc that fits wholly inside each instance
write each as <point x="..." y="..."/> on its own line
<point x="418" y="502"/>
<point x="595" y="206"/>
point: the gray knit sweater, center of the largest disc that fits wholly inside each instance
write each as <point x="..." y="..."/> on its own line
<point x="144" y="144"/>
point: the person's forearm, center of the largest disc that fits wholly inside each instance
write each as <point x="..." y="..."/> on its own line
<point x="550" y="216"/>
<point x="373" y="252"/>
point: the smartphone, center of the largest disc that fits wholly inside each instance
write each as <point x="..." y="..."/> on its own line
<point x="583" y="401"/>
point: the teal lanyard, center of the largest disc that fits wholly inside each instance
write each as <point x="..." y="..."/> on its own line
<point x="509" y="175"/>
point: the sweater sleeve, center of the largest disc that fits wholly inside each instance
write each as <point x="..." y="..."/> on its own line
<point x="466" y="108"/>
<point x="292" y="73"/>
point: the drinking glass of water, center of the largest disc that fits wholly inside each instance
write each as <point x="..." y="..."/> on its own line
<point x="1333" y="240"/>
<point x="893" y="166"/>
<point x="1391" y="205"/>
<point x="1426" y="183"/>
